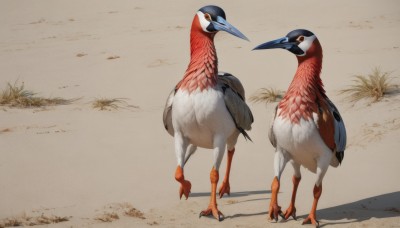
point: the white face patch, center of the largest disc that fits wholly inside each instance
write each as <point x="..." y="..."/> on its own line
<point x="306" y="44"/>
<point x="203" y="21"/>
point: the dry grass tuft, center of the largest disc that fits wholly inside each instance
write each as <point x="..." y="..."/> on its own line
<point x="269" y="95"/>
<point x="133" y="212"/>
<point x="25" y="220"/>
<point x="10" y="222"/>
<point x="111" y="104"/>
<point x="18" y="96"/>
<point x="108" y="217"/>
<point x="373" y="86"/>
<point x="115" y="210"/>
<point x="50" y="219"/>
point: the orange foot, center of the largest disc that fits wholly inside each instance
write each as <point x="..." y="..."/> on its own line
<point x="274" y="211"/>
<point x="225" y="188"/>
<point x="212" y="209"/>
<point x="291" y="211"/>
<point x="185" y="189"/>
<point x="311" y="220"/>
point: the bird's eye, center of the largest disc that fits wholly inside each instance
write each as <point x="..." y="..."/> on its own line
<point x="207" y="17"/>
<point x="300" y="39"/>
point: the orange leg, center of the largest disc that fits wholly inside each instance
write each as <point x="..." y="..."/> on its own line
<point x="185" y="185"/>
<point x="291" y="211"/>
<point x="212" y="207"/>
<point x="312" y="217"/>
<point x="274" y="209"/>
<point x="225" y="187"/>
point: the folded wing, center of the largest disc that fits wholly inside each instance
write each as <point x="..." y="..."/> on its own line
<point x="167" y="115"/>
<point x="234" y="97"/>
<point x="340" y="129"/>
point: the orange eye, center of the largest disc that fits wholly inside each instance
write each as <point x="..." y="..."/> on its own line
<point x="207" y="17"/>
<point x="300" y="39"/>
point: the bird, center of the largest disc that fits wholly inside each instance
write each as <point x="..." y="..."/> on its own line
<point x="207" y="108"/>
<point x="307" y="129"/>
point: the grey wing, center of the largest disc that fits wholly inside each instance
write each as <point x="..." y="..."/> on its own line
<point x="340" y="129"/>
<point x="235" y="102"/>
<point x="271" y="134"/>
<point x="233" y="82"/>
<point x="167" y="115"/>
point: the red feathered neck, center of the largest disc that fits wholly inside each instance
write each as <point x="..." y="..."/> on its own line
<point x="203" y="67"/>
<point x="301" y="98"/>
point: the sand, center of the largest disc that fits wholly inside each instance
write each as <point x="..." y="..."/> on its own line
<point x="105" y="168"/>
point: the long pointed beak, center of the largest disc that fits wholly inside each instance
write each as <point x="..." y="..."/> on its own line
<point x="222" y="25"/>
<point x="278" y="43"/>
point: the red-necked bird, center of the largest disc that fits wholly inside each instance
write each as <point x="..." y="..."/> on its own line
<point x="207" y="109"/>
<point x="307" y="129"/>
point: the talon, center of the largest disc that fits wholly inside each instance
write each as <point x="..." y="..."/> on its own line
<point x="291" y="211"/>
<point x="282" y="215"/>
<point x="225" y="188"/>
<point x="221" y="217"/>
<point x="212" y="210"/>
<point x="185" y="185"/>
<point x="185" y="189"/>
<point x="311" y="220"/>
<point x="274" y="212"/>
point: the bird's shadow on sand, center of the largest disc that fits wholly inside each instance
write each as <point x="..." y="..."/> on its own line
<point x="240" y="194"/>
<point x="381" y="206"/>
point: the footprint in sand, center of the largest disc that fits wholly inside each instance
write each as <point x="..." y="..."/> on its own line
<point x="158" y="63"/>
<point x="361" y="24"/>
<point x="374" y="132"/>
<point x="113" y="57"/>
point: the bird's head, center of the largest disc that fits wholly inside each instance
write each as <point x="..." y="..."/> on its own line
<point x="212" y="19"/>
<point x="300" y="42"/>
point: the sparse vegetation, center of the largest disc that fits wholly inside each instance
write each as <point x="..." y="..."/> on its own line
<point x="133" y="212"/>
<point x="15" y="95"/>
<point x="267" y="95"/>
<point x="373" y="86"/>
<point x="25" y="220"/>
<point x="110" y="104"/>
<point x="107" y="217"/>
<point x="114" y="211"/>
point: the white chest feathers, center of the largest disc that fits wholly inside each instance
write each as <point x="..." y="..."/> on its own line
<point x="200" y="116"/>
<point x="302" y="142"/>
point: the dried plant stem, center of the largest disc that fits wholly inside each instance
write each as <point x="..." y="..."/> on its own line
<point x="17" y="96"/>
<point x="267" y="95"/>
<point x="109" y="104"/>
<point x="374" y="86"/>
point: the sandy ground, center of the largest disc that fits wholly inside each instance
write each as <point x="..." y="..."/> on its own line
<point x="91" y="166"/>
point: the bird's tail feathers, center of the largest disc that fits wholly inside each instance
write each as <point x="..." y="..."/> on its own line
<point x="244" y="133"/>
